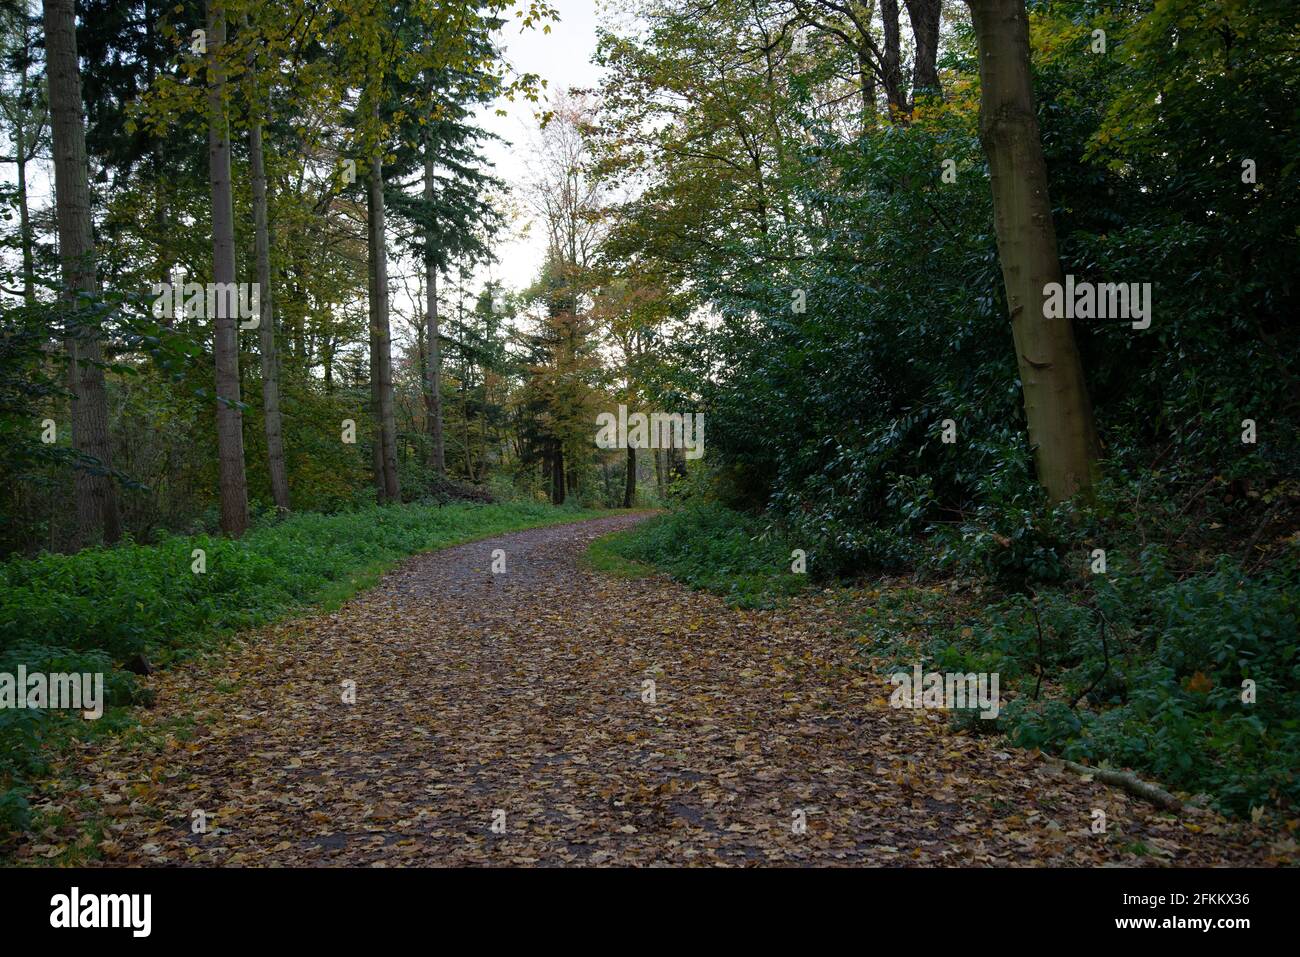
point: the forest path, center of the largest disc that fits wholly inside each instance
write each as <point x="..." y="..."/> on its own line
<point x="522" y="693"/>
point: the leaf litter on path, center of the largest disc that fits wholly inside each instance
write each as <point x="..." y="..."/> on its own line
<point x="507" y="719"/>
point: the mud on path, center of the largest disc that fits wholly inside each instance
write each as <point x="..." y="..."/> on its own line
<point x="518" y="700"/>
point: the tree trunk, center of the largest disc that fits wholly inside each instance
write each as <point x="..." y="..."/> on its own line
<point x="381" y="488"/>
<point x="867" y="80"/>
<point x="97" y="513"/>
<point x="158" y="172"/>
<point x="557" y="474"/>
<point x="433" y="371"/>
<point x="230" y="431"/>
<point x="266" y="326"/>
<point x="483" y="429"/>
<point x="659" y="471"/>
<point x="925" y="15"/>
<point x="464" y="411"/>
<point x="892" y="63"/>
<point x="679" y="462"/>
<point x="24" y="214"/>
<point x="21" y="158"/>
<point x="381" y="485"/>
<point x="629" y="486"/>
<point x="1056" y="398"/>
<point x="327" y="362"/>
<point x="381" y="357"/>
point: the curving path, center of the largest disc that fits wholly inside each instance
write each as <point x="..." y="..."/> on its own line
<point x="517" y="700"/>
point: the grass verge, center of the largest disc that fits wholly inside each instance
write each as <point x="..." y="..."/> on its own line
<point x="708" y="548"/>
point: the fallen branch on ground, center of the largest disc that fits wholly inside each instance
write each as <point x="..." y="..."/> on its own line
<point x="1122" y="779"/>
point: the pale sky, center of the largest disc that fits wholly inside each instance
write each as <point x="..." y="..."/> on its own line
<point x="563" y="59"/>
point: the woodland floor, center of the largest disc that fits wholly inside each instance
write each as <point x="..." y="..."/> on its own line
<point x="522" y="693"/>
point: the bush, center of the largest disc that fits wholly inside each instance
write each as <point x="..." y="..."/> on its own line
<point x="1169" y="703"/>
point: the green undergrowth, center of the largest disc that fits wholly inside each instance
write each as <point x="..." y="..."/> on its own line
<point x="1190" y="679"/>
<point x="710" y="548"/>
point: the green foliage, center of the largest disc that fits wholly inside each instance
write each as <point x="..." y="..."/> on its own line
<point x="605" y="556"/>
<point x="712" y="548"/>
<point x="862" y="305"/>
<point x="145" y="599"/>
<point x="1014" y="540"/>
<point x="1185" y="648"/>
<point x="1169" y="703"/>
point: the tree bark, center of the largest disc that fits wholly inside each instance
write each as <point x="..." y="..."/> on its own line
<point x="464" y="410"/>
<point x="557" y="474"/>
<point x="483" y="429"/>
<point x="891" y="65"/>
<point x="21" y="158"/>
<point x="925" y="15"/>
<point x="433" y="370"/>
<point x="1057" y="407"/>
<point x="230" y="420"/>
<point x="867" y="79"/>
<point x="24" y="218"/>
<point x="381" y="355"/>
<point x="629" y="485"/>
<point x="1122" y="779"/>
<point x="266" y="326"/>
<point x="96" y="499"/>
<point x="25" y="150"/>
